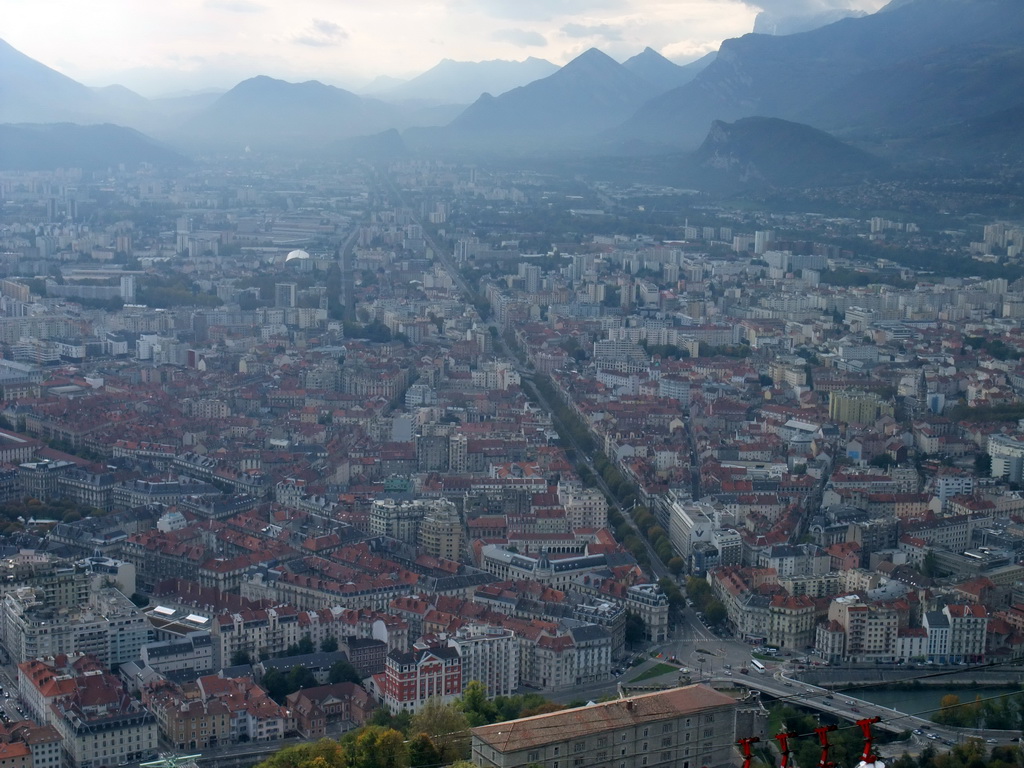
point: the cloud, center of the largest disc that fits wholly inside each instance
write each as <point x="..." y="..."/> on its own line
<point x="322" y="34"/>
<point x="802" y="7"/>
<point x="543" y="10"/>
<point x="605" y="31"/>
<point x="234" y="6"/>
<point x="522" y="37"/>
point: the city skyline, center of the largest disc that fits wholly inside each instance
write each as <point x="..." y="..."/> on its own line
<point x="204" y="44"/>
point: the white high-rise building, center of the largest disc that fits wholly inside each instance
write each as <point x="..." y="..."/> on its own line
<point x="490" y="655"/>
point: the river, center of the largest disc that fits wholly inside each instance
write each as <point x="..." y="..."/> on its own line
<point x="925" y="699"/>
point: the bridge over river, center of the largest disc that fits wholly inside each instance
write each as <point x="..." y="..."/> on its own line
<point x="850" y="707"/>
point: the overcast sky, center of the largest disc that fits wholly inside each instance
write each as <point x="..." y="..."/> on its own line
<point x="156" y="47"/>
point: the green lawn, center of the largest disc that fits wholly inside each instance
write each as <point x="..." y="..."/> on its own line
<point x="656" y="671"/>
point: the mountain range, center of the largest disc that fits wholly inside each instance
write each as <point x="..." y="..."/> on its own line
<point x="924" y="78"/>
<point x="756" y="152"/>
<point x="35" y="147"/>
<point x="909" y="66"/>
<point x="462" y="82"/>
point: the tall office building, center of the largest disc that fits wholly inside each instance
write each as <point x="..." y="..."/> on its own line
<point x="348" y="293"/>
<point x="285" y="295"/>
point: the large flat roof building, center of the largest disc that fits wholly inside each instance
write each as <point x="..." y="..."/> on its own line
<point x="686" y="727"/>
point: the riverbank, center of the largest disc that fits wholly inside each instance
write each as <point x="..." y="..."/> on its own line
<point x="829" y="677"/>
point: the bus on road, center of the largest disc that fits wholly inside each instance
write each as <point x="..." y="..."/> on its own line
<point x="758" y="666"/>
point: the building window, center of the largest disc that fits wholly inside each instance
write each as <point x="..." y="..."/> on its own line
<point x="708" y="732"/>
<point x="578" y="746"/>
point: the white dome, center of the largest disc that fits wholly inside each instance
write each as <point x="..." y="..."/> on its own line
<point x="297" y="254"/>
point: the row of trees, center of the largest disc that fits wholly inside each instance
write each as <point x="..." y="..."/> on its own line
<point x="565" y="418"/>
<point x="164" y="292"/>
<point x="1000" y="713"/>
<point x="13" y="514"/>
<point x="436" y="735"/>
<point x="280" y="685"/>
<point x="370" y="747"/>
<point x="704" y="600"/>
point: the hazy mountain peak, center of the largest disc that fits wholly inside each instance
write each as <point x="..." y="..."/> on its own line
<point x="768" y="23"/>
<point x="662" y="73"/>
<point x="461" y="82"/>
<point x="880" y="72"/>
<point x="774" y="152"/>
<point x="33" y="92"/>
<point x="592" y="56"/>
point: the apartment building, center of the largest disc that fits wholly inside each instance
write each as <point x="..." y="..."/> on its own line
<point x="106" y="624"/>
<point x="490" y="655"/>
<point x="101" y="724"/>
<point x="412" y="678"/>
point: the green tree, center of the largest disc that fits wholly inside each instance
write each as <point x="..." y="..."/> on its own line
<point x="423" y="753"/>
<point x="676" y="565"/>
<point x="329" y="644"/>
<point x="983" y="465"/>
<point x="715" y="613"/>
<point x="240" y="658"/>
<point x="276" y="684"/>
<point x="391" y="750"/>
<point x="446" y="724"/>
<point x="343" y="672"/>
<point x="950" y="710"/>
<point x="325" y="753"/>
<point x="475" y="705"/>
<point x="299" y="678"/>
<point x="636" y="629"/>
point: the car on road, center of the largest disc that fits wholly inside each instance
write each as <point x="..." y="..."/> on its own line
<point x="917" y="731"/>
<point x="854" y="709"/>
<point x="788" y="684"/>
<point x="990" y="741"/>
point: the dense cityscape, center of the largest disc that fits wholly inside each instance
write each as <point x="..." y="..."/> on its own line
<point x="548" y="429"/>
<point x="358" y="424"/>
